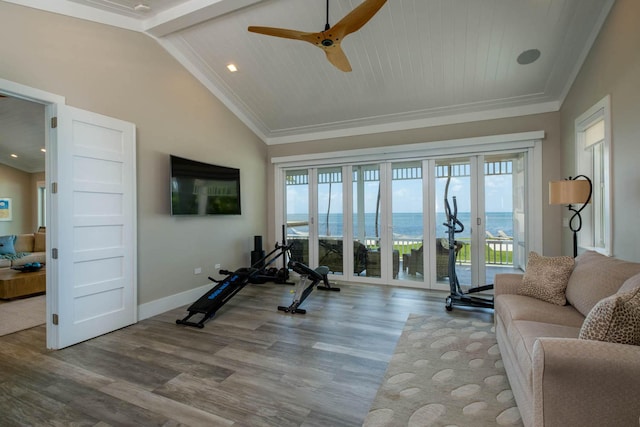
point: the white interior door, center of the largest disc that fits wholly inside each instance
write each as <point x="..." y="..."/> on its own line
<point x="94" y="230"/>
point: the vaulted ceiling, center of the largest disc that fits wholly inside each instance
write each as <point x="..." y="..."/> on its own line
<point x="416" y="63"/>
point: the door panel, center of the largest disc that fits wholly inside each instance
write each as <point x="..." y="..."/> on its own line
<point x="330" y="246"/>
<point x="95" y="225"/>
<point x="367" y="221"/>
<point x="407" y="222"/>
<point x="297" y="213"/>
<point x="453" y="179"/>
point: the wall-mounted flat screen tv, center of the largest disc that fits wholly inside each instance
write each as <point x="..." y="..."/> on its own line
<point x="203" y="189"/>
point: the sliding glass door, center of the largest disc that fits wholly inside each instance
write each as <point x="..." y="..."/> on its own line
<point x="387" y="221"/>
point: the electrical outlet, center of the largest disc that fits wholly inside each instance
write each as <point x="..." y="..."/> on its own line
<point x="217" y="266"/>
<point x="197" y="270"/>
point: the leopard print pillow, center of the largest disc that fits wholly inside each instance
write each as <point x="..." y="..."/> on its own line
<point x="546" y="278"/>
<point x="614" y="319"/>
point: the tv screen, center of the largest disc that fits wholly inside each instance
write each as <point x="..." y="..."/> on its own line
<point x="203" y="189"/>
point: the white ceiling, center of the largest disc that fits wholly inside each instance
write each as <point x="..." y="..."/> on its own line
<point x="417" y="63"/>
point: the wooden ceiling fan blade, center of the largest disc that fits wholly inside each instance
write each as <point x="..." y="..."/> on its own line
<point x="359" y="16"/>
<point x="337" y="57"/>
<point x="281" y="32"/>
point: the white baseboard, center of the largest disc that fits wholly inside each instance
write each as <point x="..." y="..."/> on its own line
<point x="162" y="305"/>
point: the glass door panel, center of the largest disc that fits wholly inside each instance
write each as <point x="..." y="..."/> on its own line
<point x="407" y="221"/>
<point x="500" y="215"/>
<point x="367" y="220"/>
<point x="520" y="208"/>
<point x="453" y="180"/>
<point x="297" y="213"/>
<point x="330" y="219"/>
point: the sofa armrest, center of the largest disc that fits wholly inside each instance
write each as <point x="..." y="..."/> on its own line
<point x="585" y="383"/>
<point x="506" y="283"/>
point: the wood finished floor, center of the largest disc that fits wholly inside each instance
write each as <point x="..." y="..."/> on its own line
<point x="250" y="366"/>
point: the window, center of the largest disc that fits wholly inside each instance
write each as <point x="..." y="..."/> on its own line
<point x="593" y="149"/>
<point x="42" y="205"/>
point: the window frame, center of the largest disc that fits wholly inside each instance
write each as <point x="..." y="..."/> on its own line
<point x="584" y="165"/>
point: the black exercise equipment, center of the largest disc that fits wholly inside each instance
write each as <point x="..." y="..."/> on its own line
<point x="457" y="296"/>
<point x="302" y="290"/>
<point x="208" y="304"/>
<point x="267" y="273"/>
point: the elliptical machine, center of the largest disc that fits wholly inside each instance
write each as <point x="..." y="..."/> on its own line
<point x="457" y="296"/>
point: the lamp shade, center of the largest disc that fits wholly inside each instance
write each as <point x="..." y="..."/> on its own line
<point x="568" y="192"/>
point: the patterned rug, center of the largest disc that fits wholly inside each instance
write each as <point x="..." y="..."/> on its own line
<point x="446" y="371"/>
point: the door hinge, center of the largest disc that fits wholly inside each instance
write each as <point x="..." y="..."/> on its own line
<point x="54" y="253"/>
<point x="54" y="122"/>
<point x="55" y="319"/>
<point x="54" y="187"/>
<point x="478" y="221"/>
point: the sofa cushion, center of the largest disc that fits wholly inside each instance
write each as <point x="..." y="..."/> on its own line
<point x="512" y="307"/>
<point x="615" y="319"/>
<point x="39" y="242"/>
<point x="7" y="245"/>
<point x="24" y="243"/>
<point x="546" y="278"/>
<point x="596" y="276"/>
<point x="631" y="283"/>
<point x="523" y="334"/>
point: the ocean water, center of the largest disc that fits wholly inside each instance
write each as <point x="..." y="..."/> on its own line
<point x="407" y="225"/>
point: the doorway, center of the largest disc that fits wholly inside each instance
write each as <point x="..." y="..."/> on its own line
<point x="22" y="172"/>
<point x="91" y="247"/>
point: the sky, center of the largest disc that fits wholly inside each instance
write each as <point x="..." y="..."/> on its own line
<point x="407" y="195"/>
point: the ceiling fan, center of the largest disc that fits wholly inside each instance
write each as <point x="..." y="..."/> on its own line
<point x="329" y="40"/>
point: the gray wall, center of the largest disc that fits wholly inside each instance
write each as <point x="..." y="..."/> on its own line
<point x="613" y="68"/>
<point x="127" y="75"/>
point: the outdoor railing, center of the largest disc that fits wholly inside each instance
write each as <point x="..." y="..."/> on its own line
<point x="497" y="251"/>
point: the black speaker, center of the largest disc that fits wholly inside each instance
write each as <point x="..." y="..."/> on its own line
<point x="257" y="253"/>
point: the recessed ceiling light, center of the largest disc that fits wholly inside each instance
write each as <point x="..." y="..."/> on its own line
<point x="232" y="68"/>
<point x="528" y="56"/>
<point x="15" y="156"/>
<point x="141" y="7"/>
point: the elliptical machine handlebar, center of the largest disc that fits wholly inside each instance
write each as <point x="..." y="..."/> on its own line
<point x="452" y="220"/>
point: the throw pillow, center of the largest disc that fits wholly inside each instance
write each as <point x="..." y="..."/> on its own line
<point x="614" y="319"/>
<point x="546" y="278"/>
<point x="6" y="245"/>
<point x="39" y="242"/>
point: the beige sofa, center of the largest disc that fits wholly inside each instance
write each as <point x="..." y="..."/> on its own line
<point x="32" y="248"/>
<point x="557" y="378"/>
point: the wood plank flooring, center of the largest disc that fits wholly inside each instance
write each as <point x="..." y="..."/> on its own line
<point x="250" y="366"/>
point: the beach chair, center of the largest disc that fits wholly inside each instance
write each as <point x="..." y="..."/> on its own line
<point x="504" y="235"/>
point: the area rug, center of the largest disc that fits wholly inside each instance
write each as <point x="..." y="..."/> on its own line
<point x="22" y="314"/>
<point x="446" y="371"/>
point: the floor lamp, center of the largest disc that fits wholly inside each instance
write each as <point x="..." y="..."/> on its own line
<point x="569" y="192"/>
